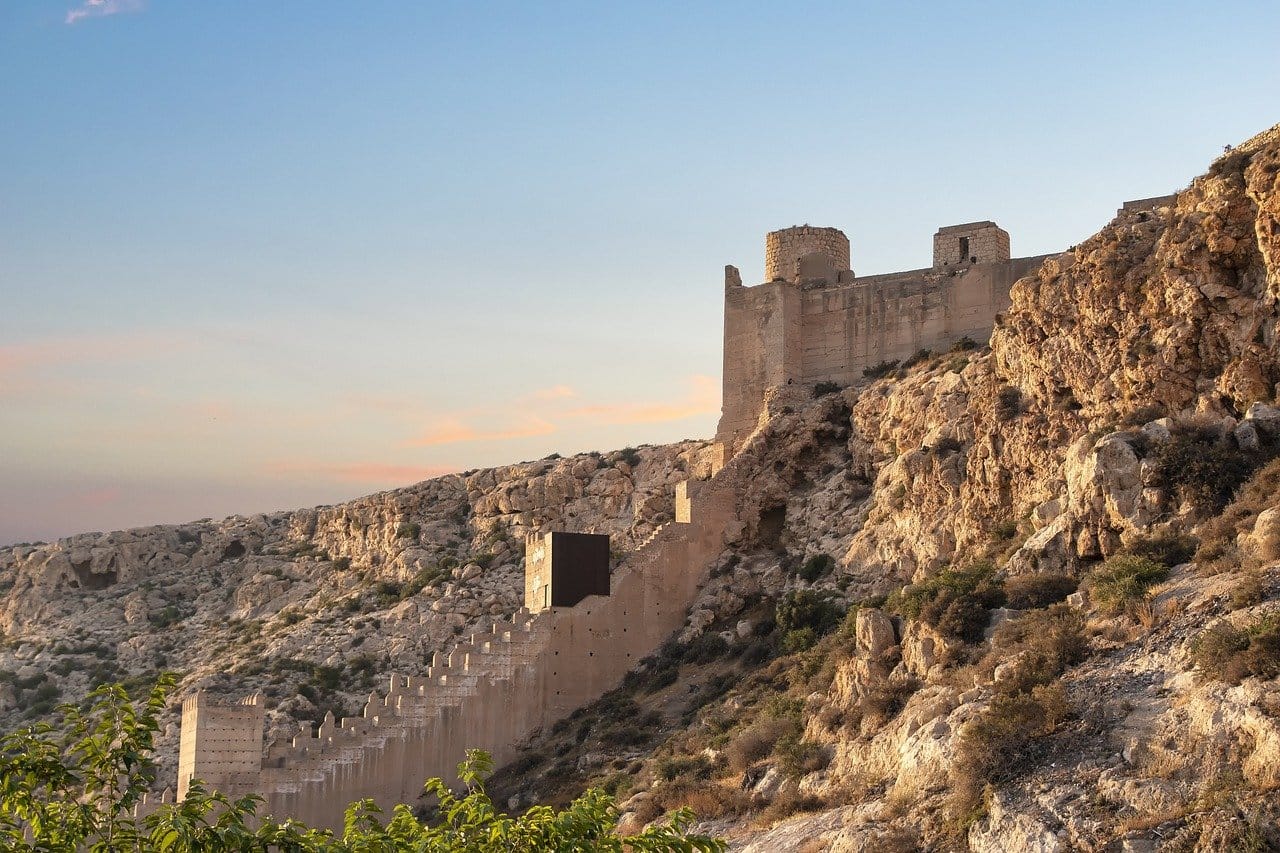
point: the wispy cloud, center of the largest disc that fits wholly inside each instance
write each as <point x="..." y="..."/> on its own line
<point x="104" y="8"/>
<point x="702" y="398"/>
<point x="20" y="364"/>
<point x="555" y="392"/>
<point x="454" y="431"/>
<point x="548" y="410"/>
<point x="362" y="472"/>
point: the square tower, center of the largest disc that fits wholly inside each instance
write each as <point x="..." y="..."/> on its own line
<point x="221" y="744"/>
<point x="970" y="243"/>
<point x="561" y="569"/>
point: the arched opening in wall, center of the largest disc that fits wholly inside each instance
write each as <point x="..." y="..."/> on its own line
<point x="769" y="528"/>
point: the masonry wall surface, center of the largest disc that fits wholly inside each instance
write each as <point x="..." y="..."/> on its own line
<point x="491" y="691"/>
<point x="784" y="249"/>
<point x="780" y="333"/>
<point x="221" y="744"/>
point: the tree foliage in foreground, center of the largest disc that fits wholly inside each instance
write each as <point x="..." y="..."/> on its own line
<point x="75" y="788"/>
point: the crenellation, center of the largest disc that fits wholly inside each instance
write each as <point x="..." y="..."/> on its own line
<point x="804" y="329"/>
<point x="490" y="689"/>
<point x="802" y="252"/>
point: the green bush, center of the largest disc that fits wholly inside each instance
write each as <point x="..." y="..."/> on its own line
<point x="807" y="609"/>
<point x="705" y="648"/>
<point x="675" y="767"/>
<point x="629" y="455"/>
<point x="822" y="389"/>
<point x="877" y="371"/>
<point x="408" y="530"/>
<point x="1040" y="589"/>
<point x="797" y="756"/>
<point x="1168" y="549"/>
<point x="816" y="566"/>
<point x="798" y="640"/>
<point x="964" y="345"/>
<point x="1123" y="581"/>
<point x="76" y="789"/>
<point x="919" y="356"/>
<point x="1233" y="654"/>
<point x="955" y="601"/>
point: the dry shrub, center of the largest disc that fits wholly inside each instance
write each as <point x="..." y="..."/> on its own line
<point x="1218" y="551"/>
<point x="706" y="799"/>
<point x="1203" y="468"/>
<point x="883" y="702"/>
<point x="1247" y="592"/>
<point x="1123" y="581"/>
<point x="756" y="741"/>
<point x="1232" y="654"/>
<point x="895" y="841"/>
<point x="788" y="802"/>
<point x="1044" y="642"/>
<point x="1036" y="590"/>
<point x="1168" y="548"/>
<point x="1000" y="744"/>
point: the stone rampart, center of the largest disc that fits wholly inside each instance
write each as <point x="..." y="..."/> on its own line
<point x="805" y="330"/>
<point x="490" y="691"/>
<point x="784" y="250"/>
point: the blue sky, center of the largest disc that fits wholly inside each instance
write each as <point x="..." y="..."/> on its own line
<point x="263" y="255"/>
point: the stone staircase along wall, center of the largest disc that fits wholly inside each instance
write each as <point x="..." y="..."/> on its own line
<point x="490" y="692"/>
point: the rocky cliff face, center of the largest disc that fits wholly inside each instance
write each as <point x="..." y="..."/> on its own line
<point x="1118" y="436"/>
<point x="1124" y="409"/>
<point x="309" y="606"/>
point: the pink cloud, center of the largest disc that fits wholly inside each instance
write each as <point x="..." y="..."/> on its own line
<point x="555" y="392"/>
<point x="95" y="497"/>
<point x="19" y="362"/>
<point x="703" y="398"/>
<point x="541" y="412"/>
<point x="454" y="431"/>
<point x="104" y="8"/>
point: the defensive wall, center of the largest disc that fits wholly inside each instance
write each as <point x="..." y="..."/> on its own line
<point x="814" y="321"/>
<point x="491" y="691"/>
<point x="580" y="632"/>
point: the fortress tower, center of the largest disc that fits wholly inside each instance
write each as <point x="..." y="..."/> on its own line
<point x="805" y="252"/>
<point x="221" y="744"/>
<point x="813" y="321"/>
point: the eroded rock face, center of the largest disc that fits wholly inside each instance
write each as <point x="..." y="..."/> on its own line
<point x="1166" y="317"/>
<point x="325" y="601"/>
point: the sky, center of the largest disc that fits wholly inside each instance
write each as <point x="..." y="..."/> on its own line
<point x="258" y="256"/>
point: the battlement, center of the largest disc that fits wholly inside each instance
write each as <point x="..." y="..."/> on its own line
<point x="490" y="690"/>
<point x="806" y="252"/>
<point x="970" y="243"/>
<point x="813" y="321"/>
<point x="221" y="743"/>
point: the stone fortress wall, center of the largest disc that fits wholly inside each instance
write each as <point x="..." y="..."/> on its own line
<point x="814" y="321"/>
<point x="784" y="249"/>
<point x="490" y="692"/>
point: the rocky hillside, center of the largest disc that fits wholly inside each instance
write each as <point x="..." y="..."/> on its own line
<point x="1019" y="598"/>
<point x="1016" y="597"/>
<point x="314" y="607"/>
